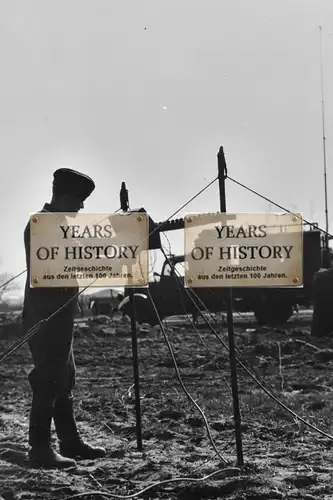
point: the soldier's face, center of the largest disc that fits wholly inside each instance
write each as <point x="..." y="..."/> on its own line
<point x="71" y="204"/>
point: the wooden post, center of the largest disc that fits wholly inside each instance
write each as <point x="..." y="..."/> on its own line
<point x="222" y="170"/>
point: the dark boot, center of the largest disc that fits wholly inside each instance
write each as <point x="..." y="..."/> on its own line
<point x="41" y="453"/>
<point x="71" y="443"/>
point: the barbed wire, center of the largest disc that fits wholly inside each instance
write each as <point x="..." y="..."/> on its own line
<point x="274" y="203"/>
<point x="154" y="230"/>
<point x="223" y="472"/>
<point x="205" y="344"/>
<point x="213" y="318"/>
<point x="254" y="377"/>
<point x="12" y="279"/>
<point x="180" y="379"/>
<point x="35" y="328"/>
<point x="110" y="495"/>
<point x="32" y="331"/>
<point x="159" y="226"/>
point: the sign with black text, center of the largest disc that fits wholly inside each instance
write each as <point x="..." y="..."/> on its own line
<point x="243" y="250"/>
<point x="78" y="249"/>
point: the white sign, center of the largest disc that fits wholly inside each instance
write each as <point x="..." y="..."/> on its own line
<point x="243" y="250"/>
<point x="100" y="249"/>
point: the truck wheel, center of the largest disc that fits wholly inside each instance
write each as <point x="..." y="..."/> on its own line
<point x="143" y="313"/>
<point x="273" y="313"/>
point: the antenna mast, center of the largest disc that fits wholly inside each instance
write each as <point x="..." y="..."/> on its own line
<point x="326" y="239"/>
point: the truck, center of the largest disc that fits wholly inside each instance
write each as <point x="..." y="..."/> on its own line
<point x="104" y="302"/>
<point x="271" y="306"/>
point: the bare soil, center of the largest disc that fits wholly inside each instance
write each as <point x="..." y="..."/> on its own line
<point x="283" y="459"/>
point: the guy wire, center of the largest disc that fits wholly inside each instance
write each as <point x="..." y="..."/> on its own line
<point x="180" y="379"/>
<point x="267" y="391"/>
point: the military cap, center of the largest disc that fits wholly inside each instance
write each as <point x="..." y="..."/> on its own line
<point x="68" y="181"/>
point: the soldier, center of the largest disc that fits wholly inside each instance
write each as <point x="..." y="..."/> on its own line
<point x="53" y="376"/>
<point x="322" y="323"/>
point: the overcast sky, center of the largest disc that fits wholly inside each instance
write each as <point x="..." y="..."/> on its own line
<point x="146" y="91"/>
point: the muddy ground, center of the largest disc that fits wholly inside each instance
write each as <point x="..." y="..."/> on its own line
<point x="283" y="459"/>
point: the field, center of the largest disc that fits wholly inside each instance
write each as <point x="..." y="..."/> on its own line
<point x="283" y="458"/>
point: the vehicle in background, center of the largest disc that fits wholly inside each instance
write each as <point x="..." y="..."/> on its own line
<point x="270" y="305"/>
<point x="104" y="302"/>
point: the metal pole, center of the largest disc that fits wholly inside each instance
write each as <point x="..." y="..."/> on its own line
<point x="222" y="170"/>
<point x="124" y="206"/>
<point x="136" y="371"/>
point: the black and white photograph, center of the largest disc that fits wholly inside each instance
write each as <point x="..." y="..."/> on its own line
<point x="166" y="258"/>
